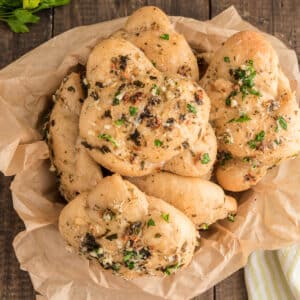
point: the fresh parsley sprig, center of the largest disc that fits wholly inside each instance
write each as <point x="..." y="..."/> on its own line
<point x="17" y="14"/>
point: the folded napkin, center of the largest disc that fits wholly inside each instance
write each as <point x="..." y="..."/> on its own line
<point x="274" y="275"/>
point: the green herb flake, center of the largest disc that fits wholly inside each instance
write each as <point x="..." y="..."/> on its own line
<point x="158" y="143"/>
<point x="108" y="138"/>
<point x="171" y="269"/>
<point x="155" y="90"/>
<point x="119" y="122"/>
<point x="282" y="122"/>
<point x="205" y="159"/>
<point x="165" y="36"/>
<point x="116" y="266"/>
<point x="229" y="98"/>
<point x="204" y="226"/>
<point x="133" y="110"/>
<point x="157" y="235"/>
<point x="243" y="118"/>
<point x="246" y="159"/>
<point x="258" y="138"/>
<point x="226" y="59"/>
<point x="231" y="217"/>
<point x="166" y="217"/>
<point x="112" y="237"/>
<point x="191" y="108"/>
<point x="245" y="77"/>
<point x="150" y="223"/>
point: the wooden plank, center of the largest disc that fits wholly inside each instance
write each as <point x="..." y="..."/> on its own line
<point x="14" y="283"/>
<point x="286" y="23"/>
<point x="232" y="288"/>
<point x="84" y="12"/>
<point x="258" y="13"/>
<point x="14" y="45"/>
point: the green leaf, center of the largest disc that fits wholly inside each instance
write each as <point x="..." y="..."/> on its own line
<point x="241" y="119"/>
<point x="150" y="223"/>
<point x="282" y="122"/>
<point x="231" y="217"/>
<point x="191" y="108"/>
<point x="11" y="3"/>
<point x="133" y="110"/>
<point x="30" y="4"/>
<point x="108" y="138"/>
<point x="260" y="136"/>
<point x="52" y="3"/>
<point x="119" y="122"/>
<point x="158" y="143"/>
<point x="165" y="36"/>
<point x="25" y="16"/>
<point x="205" y="159"/>
<point x="171" y="269"/>
<point x="226" y="59"/>
<point x="204" y="226"/>
<point x="16" y="26"/>
<point x="155" y="90"/>
<point x="166" y="217"/>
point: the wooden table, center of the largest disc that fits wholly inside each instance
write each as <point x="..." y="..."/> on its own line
<point x="278" y="17"/>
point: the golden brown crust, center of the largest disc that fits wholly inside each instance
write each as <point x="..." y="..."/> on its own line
<point x="76" y="170"/>
<point x="122" y="229"/>
<point x="168" y="110"/>
<point x="202" y="201"/>
<point x="149" y="29"/>
<point x="198" y="159"/>
<point x="254" y="111"/>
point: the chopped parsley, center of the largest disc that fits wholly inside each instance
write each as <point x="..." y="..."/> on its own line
<point x="246" y="159"/>
<point x="245" y="77"/>
<point x="205" y="159"/>
<point x="108" y="215"/>
<point x="117" y="98"/>
<point x="108" y="138"/>
<point x="258" y="138"/>
<point x="150" y="223"/>
<point x="171" y="269"/>
<point x="112" y="237"/>
<point x="231" y="217"/>
<point x="139" y="83"/>
<point x="128" y="255"/>
<point x="133" y="110"/>
<point x="223" y="157"/>
<point x="119" y="122"/>
<point x="226" y="59"/>
<point x="241" y="119"/>
<point x="229" y="98"/>
<point x="166" y="217"/>
<point x="282" y="122"/>
<point x="165" y="36"/>
<point x="204" y="226"/>
<point x="158" y="143"/>
<point x="191" y="108"/>
<point x="155" y="90"/>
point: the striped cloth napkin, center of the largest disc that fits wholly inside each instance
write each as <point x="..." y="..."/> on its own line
<point x="274" y="275"/>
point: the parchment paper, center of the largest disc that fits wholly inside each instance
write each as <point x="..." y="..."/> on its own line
<point x="268" y="216"/>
